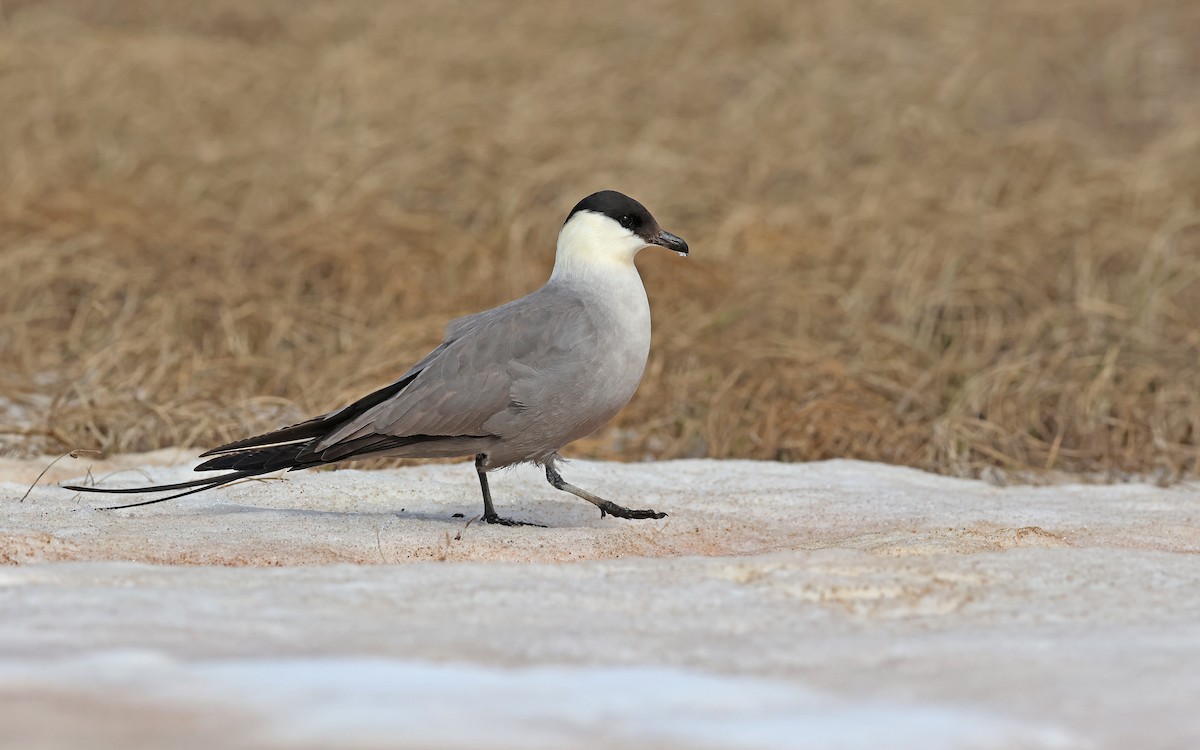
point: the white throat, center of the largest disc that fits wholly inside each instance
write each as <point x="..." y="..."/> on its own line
<point x="595" y="259"/>
<point x="594" y="248"/>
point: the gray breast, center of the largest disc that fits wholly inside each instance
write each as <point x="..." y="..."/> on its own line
<point x="599" y="357"/>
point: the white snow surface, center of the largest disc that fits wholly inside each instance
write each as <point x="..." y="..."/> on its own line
<point x="384" y="703"/>
<point x="829" y="605"/>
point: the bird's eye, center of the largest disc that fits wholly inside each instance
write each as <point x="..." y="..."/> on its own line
<point x="627" y="221"/>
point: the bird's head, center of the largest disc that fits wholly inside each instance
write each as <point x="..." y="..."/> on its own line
<point x="611" y="227"/>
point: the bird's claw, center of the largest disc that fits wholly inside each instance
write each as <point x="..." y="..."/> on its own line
<point x="496" y="519"/>
<point x="610" y="508"/>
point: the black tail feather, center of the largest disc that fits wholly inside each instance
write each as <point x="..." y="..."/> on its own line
<point x="200" y="485"/>
<point x="245" y="464"/>
<point x="289" y="448"/>
<point x="135" y="490"/>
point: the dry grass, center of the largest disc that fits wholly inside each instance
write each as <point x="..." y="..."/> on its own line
<point x="951" y="235"/>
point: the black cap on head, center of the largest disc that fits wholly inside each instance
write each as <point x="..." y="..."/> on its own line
<point x="630" y="214"/>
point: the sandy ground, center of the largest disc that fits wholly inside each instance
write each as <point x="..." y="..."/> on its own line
<point x="835" y="604"/>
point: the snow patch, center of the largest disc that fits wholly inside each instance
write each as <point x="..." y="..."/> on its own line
<point x="370" y="702"/>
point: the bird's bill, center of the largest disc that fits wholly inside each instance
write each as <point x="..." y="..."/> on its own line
<point x="670" y="242"/>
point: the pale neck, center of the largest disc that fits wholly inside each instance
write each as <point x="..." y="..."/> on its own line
<point x="589" y="253"/>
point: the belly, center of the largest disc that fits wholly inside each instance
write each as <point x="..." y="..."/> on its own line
<point x="601" y="386"/>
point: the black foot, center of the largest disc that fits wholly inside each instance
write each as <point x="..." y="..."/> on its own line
<point x="610" y="508"/>
<point x="509" y="522"/>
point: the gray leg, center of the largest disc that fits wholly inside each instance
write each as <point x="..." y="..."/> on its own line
<point x="605" y="506"/>
<point x="489" y="512"/>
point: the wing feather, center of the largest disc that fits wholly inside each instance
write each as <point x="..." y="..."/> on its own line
<point x="470" y="378"/>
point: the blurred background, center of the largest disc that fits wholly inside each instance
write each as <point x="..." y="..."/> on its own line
<point x="958" y="236"/>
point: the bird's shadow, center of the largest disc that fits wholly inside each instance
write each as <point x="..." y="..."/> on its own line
<point x="552" y="519"/>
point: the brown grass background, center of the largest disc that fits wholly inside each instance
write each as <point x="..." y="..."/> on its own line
<point x="945" y="234"/>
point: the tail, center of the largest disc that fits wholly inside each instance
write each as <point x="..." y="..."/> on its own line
<point x="288" y="448"/>
<point x="245" y="464"/>
<point x="200" y="484"/>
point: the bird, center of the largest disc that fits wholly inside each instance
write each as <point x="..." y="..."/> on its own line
<point x="509" y="385"/>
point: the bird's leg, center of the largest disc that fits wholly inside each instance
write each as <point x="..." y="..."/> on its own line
<point x="605" y="506"/>
<point x="489" y="512"/>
